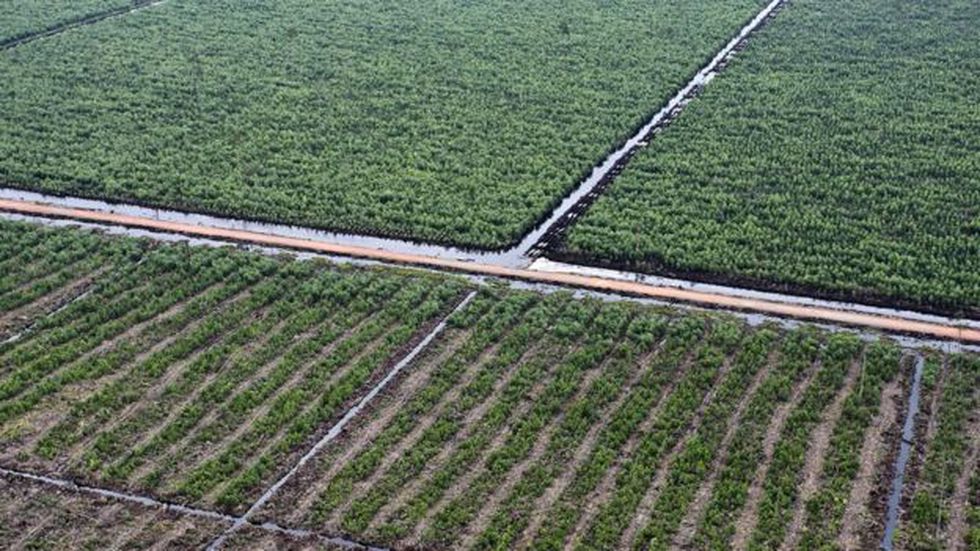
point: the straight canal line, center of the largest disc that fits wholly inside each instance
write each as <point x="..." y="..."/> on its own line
<point x="784" y="306"/>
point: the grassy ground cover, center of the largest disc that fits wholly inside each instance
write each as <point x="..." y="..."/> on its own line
<point x="839" y="153"/>
<point x="434" y="120"/>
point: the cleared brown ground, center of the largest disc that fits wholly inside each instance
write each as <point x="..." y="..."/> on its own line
<point x="37" y="516"/>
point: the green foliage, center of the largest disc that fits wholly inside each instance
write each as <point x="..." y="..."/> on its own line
<point x="840" y="152"/>
<point x="437" y="120"/>
<point x="945" y="459"/>
<point x="25" y="17"/>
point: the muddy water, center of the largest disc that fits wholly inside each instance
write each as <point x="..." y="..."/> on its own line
<point x="908" y="433"/>
<point x="751" y="318"/>
<point x="509" y="258"/>
<point x="548" y="232"/>
<point x="546" y="265"/>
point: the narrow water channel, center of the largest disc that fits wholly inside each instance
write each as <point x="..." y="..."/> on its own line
<point x="901" y="462"/>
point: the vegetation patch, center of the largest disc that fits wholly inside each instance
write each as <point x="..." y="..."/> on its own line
<point x="838" y="154"/>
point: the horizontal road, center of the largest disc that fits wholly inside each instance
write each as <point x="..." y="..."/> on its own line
<point x="840" y="316"/>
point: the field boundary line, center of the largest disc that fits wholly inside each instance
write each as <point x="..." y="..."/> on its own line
<point x="339" y="426"/>
<point x="78" y="22"/>
<point x="119" y="496"/>
<point x="841" y="314"/>
<point x="574" y="204"/>
<point x="177" y="508"/>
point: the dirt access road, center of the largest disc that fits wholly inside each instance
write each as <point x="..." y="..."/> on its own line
<point x="838" y="316"/>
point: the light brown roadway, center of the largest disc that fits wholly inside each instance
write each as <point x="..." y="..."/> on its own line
<point x="360" y="437"/>
<point x="601" y="493"/>
<point x="960" y="504"/>
<point x="643" y="511"/>
<point x="697" y="509"/>
<point x="816" y="454"/>
<point x="750" y="511"/>
<point x="269" y="443"/>
<point x="770" y="307"/>
<point x="499" y="440"/>
<point x="873" y="455"/>
<point x="489" y="506"/>
<point x="547" y="500"/>
<point x="403" y="495"/>
<point x="47" y="415"/>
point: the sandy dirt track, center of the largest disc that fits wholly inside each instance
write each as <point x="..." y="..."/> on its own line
<point x="712" y="300"/>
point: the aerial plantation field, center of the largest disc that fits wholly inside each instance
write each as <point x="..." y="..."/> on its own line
<point x="24" y="17"/>
<point x="201" y="375"/>
<point x="34" y="516"/>
<point x="839" y="153"/>
<point x="441" y="121"/>
<point x="943" y="511"/>
<point x="195" y="374"/>
<point x="565" y="424"/>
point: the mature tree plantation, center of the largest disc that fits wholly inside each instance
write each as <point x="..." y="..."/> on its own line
<point x="244" y="380"/>
<point x="840" y="154"/>
<point x="19" y="18"/>
<point x="437" y="120"/>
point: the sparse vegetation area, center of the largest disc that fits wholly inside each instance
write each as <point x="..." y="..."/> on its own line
<point x="200" y="375"/>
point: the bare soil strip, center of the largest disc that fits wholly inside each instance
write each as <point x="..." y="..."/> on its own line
<point x="360" y="437"/>
<point x="39" y="483"/>
<point x="477" y="467"/>
<point x="26" y="314"/>
<point x="42" y="419"/>
<point x="185" y="448"/>
<point x="750" y="512"/>
<point x="489" y="506"/>
<point x="697" y="509"/>
<point x="841" y="314"/>
<point x="874" y="454"/>
<point x="960" y="507"/>
<point x="257" y="454"/>
<point x="151" y="395"/>
<point x="604" y="490"/>
<point x="337" y="428"/>
<point x="643" y="511"/>
<point x="816" y="454"/>
<point x="545" y="502"/>
<point x="405" y="494"/>
<point x="188" y="399"/>
<point x="366" y="435"/>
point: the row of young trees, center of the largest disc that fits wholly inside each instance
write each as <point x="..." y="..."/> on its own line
<point x="198" y="374"/>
